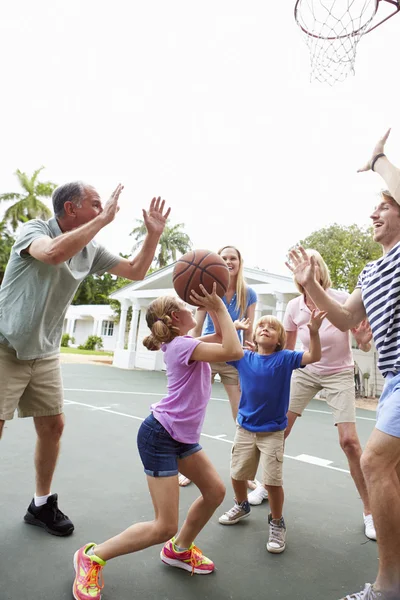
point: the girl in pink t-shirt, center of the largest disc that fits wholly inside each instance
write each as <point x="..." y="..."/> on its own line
<point x="168" y="440"/>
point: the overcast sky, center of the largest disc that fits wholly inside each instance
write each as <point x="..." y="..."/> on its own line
<point x="207" y="104"/>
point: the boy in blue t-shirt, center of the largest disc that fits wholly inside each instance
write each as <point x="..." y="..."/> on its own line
<point x="261" y="422"/>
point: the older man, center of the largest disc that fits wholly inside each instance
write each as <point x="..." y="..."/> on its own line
<point x="376" y="296"/>
<point x="47" y="263"/>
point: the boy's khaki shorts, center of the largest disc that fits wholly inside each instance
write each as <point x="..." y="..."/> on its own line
<point x="33" y="387"/>
<point x="339" y="389"/>
<point x="229" y="375"/>
<point x="248" y="447"/>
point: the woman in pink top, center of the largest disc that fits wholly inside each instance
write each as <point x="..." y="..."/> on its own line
<point x="169" y="439"/>
<point x="334" y="374"/>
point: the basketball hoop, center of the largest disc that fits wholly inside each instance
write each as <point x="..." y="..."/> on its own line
<point x="332" y="30"/>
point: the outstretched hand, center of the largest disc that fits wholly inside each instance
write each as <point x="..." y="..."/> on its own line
<point x="315" y="322"/>
<point x="301" y="265"/>
<point x="362" y="333"/>
<point x="155" y="218"/>
<point x="111" y="207"/>
<point x="242" y="324"/>
<point x="249" y="346"/>
<point x="379" y="149"/>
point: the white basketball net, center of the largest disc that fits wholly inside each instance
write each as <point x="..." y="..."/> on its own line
<point x="332" y="30"/>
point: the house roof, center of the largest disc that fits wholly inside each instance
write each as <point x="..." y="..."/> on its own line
<point x="95" y="311"/>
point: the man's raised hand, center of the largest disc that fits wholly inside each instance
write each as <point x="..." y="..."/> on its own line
<point x="111" y="207"/>
<point x="379" y="149"/>
<point x="155" y="218"/>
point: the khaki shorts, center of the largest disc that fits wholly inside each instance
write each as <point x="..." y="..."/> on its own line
<point x="248" y="447"/>
<point x="339" y="389"/>
<point x="228" y="373"/>
<point x="34" y="387"/>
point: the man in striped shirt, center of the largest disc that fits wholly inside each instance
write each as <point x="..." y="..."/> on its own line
<point x="376" y="296"/>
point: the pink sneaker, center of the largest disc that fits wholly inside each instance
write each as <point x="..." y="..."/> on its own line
<point x="191" y="560"/>
<point x="88" y="575"/>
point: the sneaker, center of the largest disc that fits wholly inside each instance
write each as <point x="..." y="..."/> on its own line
<point x="50" y="517"/>
<point x="277" y="535"/>
<point x="190" y="560"/>
<point x="258" y="495"/>
<point x="368" y="594"/>
<point x="369" y="527"/>
<point x="235" y="514"/>
<point x="88" y="581"/>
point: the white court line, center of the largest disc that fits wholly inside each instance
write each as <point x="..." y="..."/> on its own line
<point x="124" y="392"/>
<point x="218" y="438"/>
<point x="323" y="412"/>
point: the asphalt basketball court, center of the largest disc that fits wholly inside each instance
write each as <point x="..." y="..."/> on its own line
<point x="102" y="488"/>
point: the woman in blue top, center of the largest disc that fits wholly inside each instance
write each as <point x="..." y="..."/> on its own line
<point x="240" y="300"/>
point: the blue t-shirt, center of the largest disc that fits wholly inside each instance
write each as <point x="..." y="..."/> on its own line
<point x="265" y="385"/>
<point x="233" y="310"/>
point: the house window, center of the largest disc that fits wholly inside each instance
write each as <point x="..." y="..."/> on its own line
<point x="107" y="328"/>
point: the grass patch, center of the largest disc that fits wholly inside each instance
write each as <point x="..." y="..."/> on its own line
<point x="78" y="351"/>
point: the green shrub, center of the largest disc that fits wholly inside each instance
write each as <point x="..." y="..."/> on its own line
<point x="94" y="342"/>
<point x="66" y="339"/>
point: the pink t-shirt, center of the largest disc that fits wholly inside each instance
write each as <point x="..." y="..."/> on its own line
<point x="335" y="344"/>
<point x="183" y="409"/>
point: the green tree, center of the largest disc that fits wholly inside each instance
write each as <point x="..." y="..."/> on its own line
<point x="346" y="251"/>
<point x="6" y="243"/>
<point x="173" y="240"/>
<point x="28" y="204"/>
<point x="95" y="289"/>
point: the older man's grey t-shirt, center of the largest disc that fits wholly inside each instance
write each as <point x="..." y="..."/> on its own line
<point x="34" y="296"/>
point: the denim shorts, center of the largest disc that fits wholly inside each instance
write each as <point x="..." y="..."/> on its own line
<point x="388" y="412"/>
<point x="159" y="451"/>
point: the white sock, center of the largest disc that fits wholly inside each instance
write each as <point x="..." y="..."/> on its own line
<point x="41" y="500"/>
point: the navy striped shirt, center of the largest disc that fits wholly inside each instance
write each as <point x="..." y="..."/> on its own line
<point x="380" y="289"/>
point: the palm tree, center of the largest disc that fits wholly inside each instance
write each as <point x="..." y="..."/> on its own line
<point x="28" y="205"/>
<point x="173" y="239"/>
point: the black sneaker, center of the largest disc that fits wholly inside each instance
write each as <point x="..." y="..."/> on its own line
<point x="50" y="517"/>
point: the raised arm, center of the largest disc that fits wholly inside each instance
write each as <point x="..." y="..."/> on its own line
<point x="380" y="163"/>
<point x="343" y="316"/>
<point x="250" y="313"/>
<point x="62" y="248"/>
<point x="230" y="347"/>
<point x="314" y="353"/>
<point x="155" y="220"/>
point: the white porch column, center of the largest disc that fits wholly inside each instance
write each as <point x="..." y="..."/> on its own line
<point x="125" y="304"/>
<point x="70" y="326"/>
<point x="280" y="307"/>
<point x="95" y="326"/>
<point x="99" y="326"/>
<point x="257" y="313"/>
<point x="133" y="328"/>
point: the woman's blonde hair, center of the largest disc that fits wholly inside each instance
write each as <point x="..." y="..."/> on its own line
<point x="278" y="326"/>
<point x="325" y="278"/>
<point x="241" y="287"/>
<point x="159" y="321"/>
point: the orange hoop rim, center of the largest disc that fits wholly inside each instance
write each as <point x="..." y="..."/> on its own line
<point x="395" y="3"/>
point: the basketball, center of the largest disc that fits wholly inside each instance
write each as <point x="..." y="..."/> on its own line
<point x="200" y="267"/>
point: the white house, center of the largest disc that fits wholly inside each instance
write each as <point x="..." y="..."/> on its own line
<point x="84" y="320"/>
